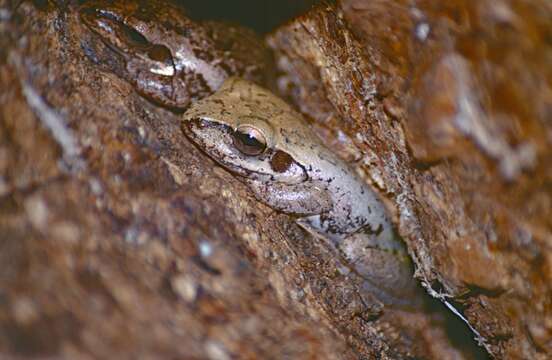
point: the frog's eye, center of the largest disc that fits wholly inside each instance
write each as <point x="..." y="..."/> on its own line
<point x="125" y="39"/>
<point x="249" y="140"/>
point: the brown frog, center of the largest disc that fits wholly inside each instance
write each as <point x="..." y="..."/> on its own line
<point x="169" y="58"/>
<point x="269" y="146"/>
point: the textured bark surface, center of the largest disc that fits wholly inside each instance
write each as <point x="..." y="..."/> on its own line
<point x="449" y="105"/>
<point x="120" y="239"/>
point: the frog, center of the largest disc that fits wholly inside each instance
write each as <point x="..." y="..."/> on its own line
<point x="270" y="147"/>
<point x="169" y="58"/>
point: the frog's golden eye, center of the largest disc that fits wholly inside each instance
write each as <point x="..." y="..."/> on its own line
<point x="249" y="140"/>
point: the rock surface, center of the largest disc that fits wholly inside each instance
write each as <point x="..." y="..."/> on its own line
<point x="119" y="239"/>
<point x="450" y="107"/>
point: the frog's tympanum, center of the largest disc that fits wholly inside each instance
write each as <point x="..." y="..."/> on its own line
<point x="169" y="58"/>
<point x="269" y="146"/>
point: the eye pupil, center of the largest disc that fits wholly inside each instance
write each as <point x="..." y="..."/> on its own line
<point x="134" y="36"/>
<point x="249" y="140"/>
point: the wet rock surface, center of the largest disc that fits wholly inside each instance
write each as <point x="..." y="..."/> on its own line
<point x="120" y="239"/>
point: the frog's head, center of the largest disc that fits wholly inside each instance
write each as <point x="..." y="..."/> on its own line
<point x="168" y="58"/>
<point x="137" y="41"/>
<point x="239" y="127"/>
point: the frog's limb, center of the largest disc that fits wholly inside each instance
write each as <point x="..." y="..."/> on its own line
<point x="299" y="199"/>
<point x="383" y="263"/>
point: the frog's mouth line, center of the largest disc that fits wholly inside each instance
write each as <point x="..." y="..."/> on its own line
<point x="216" y="141"/>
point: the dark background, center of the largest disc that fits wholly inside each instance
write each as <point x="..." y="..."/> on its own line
<point x="261" y="15"/>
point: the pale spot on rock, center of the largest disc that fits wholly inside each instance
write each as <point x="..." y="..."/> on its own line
<point x="66" y="232"/>
<point x="37" y="212"/>
<point x="24" y="311"/>
<point x="185" y="287"/>
<point x="205" y="249"/>
<point x="216" y="351"/>
<point x="422" y="31"/>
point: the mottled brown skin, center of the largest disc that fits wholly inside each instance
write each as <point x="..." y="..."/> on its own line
<point x="169" y="58"/>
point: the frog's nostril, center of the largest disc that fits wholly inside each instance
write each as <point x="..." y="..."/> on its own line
<point x="197" y="123"/>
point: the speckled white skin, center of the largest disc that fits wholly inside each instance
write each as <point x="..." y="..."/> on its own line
<point x="324" y="194"/>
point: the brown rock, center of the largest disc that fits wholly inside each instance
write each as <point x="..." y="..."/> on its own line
<point x="117" y="237"/>
<point x="449" y="103"/>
